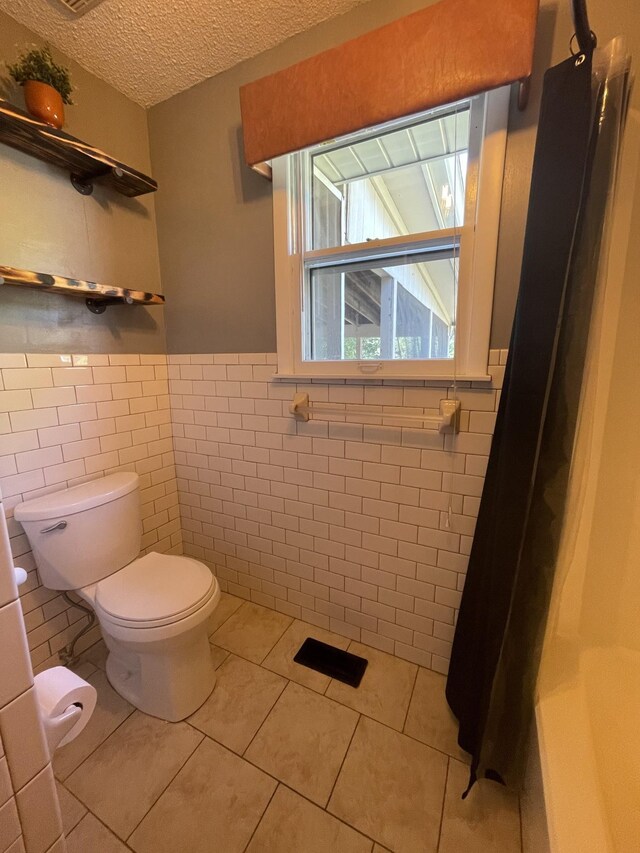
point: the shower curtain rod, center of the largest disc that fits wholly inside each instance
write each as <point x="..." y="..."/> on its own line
<point x="585" y="36"/>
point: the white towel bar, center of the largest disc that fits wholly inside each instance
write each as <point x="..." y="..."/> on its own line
<point x="448" y="421"/>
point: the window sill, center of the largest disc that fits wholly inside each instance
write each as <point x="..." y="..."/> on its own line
<point x="332" y="377"/>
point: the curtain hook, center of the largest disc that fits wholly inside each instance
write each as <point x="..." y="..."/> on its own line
<point x="580" y="57"/>
<point x="574" y="38"/>
<point x="581" y="53"/>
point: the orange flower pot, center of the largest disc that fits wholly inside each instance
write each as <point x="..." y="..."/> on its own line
<point x="44" y="102"/>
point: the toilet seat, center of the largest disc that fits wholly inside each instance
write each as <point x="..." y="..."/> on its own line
<point x="155" y="590"/>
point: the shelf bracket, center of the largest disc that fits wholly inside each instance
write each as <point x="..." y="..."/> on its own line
<point x="80" y="184"/>
<point x="99" y="306"/>
<point x="84" y="183"/>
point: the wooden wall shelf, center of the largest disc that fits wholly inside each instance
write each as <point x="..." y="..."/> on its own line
<point x="97" y="296"/>
<point x="84" y="163"/>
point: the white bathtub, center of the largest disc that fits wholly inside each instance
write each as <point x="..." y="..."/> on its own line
<point x="585" y="756"/>
<point x="589" y="741"/>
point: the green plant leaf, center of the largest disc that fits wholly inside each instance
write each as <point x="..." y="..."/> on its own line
<point x="38" y="64"/>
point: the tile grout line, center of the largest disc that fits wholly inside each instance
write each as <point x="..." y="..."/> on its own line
<point x="216" y="629"/>
<point x="62" y="785"/>
<point x="87" y="807"/>
<point x="55" y="844"/>
<point x="265" y="772"/>
<point x="101" y="822"/>
<point x="271" y="648"/>
<point x="260" y="663"/>
<point x="413" y="689"/>
<point x="220" y="665"/>
<point x="104" y="740"/>
<point x="50" y="760"/>
<point x="344" y="758"/>
<point x="444" y="798"/>
<point x="248" y="761"/>
<point x="243" y="757"/>
<point x="184" y="763"/>
<point x="325" y="808"/>
<point x="261" y="818"/>
<point x="279" y="782"/>
<point x="330" y="814"/>
<point x="414" y="739"/>
<point x="259" y="729"/>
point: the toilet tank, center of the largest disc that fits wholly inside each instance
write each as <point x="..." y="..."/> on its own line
<point x="83" y="534"/>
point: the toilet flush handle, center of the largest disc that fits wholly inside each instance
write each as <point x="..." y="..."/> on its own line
<point x="59" y="526"/>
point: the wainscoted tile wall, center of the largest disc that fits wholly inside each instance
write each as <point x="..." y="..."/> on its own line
<point x="362" y="529"/>
<point x="29" y="813"/>
<point x="66" y="419"/>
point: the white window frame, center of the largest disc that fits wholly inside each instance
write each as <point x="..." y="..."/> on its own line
<point x="477" y="248"/>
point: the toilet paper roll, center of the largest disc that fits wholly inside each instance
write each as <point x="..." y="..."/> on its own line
<point x="57" y="689"/>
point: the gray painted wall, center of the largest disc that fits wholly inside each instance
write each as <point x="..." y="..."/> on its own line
<point x="46" y="226"/>
<point x="214" y="214"/>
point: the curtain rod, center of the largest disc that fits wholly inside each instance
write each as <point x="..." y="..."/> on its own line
<point x="587" y="40"/>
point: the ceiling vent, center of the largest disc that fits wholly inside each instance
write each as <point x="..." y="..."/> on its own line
<point x="79" y="7"/>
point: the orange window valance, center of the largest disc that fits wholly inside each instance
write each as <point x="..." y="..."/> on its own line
<point x="448" y="51"/>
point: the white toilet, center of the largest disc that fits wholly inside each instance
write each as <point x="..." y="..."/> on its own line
<point x="153" y="610"/>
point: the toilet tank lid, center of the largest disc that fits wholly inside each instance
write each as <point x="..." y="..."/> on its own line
<point x="77" y="498"/>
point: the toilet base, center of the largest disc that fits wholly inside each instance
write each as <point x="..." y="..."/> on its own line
<point x="169" y="679"/>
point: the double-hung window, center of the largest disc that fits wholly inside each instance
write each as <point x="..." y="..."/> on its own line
<point x="385" y="246"/>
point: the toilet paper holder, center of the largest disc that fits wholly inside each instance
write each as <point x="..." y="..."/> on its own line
<point x="65" y="702"/>
<point x="57" y="728"/>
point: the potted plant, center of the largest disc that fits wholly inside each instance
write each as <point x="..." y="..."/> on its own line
<point x="47" y="86"/>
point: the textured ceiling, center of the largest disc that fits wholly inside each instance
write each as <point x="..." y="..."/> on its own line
<point x="152" y="49"/>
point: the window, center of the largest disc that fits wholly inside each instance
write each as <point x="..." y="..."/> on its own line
<point x="385" y="246"/>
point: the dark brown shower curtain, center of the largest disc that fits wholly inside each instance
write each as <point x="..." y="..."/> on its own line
<point x="499" y="633"/>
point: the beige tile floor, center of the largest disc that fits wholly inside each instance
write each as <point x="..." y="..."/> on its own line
<point x="280" y="759"/>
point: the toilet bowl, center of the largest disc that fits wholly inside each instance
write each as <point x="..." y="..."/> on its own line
<point x="154" y="614"/>
<point x="153" y="610"/>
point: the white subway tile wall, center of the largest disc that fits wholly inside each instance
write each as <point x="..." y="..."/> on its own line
<point x="65" y="419"/>
<point x="29" y="814"/>
<point x="360" y="528"/>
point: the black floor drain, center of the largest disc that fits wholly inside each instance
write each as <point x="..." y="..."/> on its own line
<point x="343" y="666"/>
